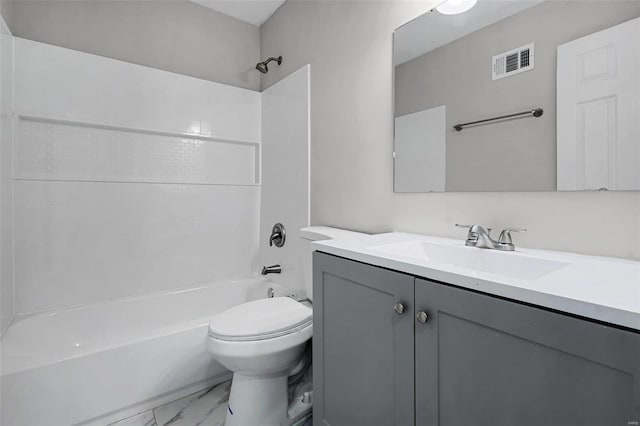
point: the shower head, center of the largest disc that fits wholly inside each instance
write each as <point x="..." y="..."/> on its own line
<point x="262" y="66"/>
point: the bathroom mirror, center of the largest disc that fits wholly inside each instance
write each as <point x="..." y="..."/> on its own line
<point x="526" y="95"/>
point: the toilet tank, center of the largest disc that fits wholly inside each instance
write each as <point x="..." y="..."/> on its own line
<point x="318" y="233"/>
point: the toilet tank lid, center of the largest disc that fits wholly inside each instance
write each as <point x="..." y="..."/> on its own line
<point x="317" y="233"/>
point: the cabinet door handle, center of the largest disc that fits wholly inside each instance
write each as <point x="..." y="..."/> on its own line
<point x="399" y="308"/>
<point x="422" y="317"/>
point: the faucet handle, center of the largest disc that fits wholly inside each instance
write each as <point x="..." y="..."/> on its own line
<point x="473" y="228"/>
<point x="505" y="235"/>
<point x="464" y="226"/>
<point x="470" y="226"/>
<point x="472" y="237"/>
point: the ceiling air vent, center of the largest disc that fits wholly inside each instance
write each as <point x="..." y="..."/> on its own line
<point x="513" y="62"/>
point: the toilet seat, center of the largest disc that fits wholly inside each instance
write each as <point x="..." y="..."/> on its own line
<point x="262" y="337"/>
<point x="261" y="320"/>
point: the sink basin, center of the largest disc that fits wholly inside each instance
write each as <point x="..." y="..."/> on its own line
<point x="515" y="265"/>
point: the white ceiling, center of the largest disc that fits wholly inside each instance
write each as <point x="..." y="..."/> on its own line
<point x="252" y="11"/>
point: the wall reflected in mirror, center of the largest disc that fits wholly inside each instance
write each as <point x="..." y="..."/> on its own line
<point x="570" y="68"/>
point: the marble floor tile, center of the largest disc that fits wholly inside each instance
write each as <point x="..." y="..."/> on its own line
<point x="205" y="408"/>
<point x="142" y="419"/>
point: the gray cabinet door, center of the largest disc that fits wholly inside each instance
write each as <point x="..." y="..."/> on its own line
<point x="362" y="349"/>
<point x="481" y="360"/>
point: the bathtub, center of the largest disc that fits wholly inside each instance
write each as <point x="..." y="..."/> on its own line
<point x="95" y="364"/>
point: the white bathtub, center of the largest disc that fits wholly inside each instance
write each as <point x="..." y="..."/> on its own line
<point x="99" y="363"/>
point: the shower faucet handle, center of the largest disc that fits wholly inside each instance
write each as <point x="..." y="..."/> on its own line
<point x="278" y="235"/>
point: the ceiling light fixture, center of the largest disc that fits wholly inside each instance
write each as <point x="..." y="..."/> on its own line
<point x="453" y="7"/>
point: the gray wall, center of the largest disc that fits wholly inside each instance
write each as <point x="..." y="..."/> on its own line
<point x="458" y="75"/>
<point x="7" y="306"/>
<point x="6" y="10"/>
<point x="177" y="36"/>
<point x="349" y="47"/>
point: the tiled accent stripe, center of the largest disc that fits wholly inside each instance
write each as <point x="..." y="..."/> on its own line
<point x="54" y="150"/>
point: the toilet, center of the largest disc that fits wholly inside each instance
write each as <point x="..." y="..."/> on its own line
<point x="262" y="341"/>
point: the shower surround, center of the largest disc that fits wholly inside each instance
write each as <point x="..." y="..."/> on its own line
<point x="137" y="217"/>
<point x="128" y="179"/>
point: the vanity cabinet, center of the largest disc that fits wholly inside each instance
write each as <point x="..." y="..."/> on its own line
<point x="457" y="357"/>
<point x="362" y="349"/>
<point x="481" y="360"/>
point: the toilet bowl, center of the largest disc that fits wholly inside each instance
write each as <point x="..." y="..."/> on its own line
<point x="262" y="341"/>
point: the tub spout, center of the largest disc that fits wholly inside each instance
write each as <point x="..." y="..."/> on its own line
<point x="273" y="269"/>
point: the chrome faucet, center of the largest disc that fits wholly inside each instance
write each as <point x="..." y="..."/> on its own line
<point x="273" y="269"/>
<point x="278" y="235"/>
<point x="480" y="237"/>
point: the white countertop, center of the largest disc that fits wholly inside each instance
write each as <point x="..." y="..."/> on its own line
<point x="601" y="288"/>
